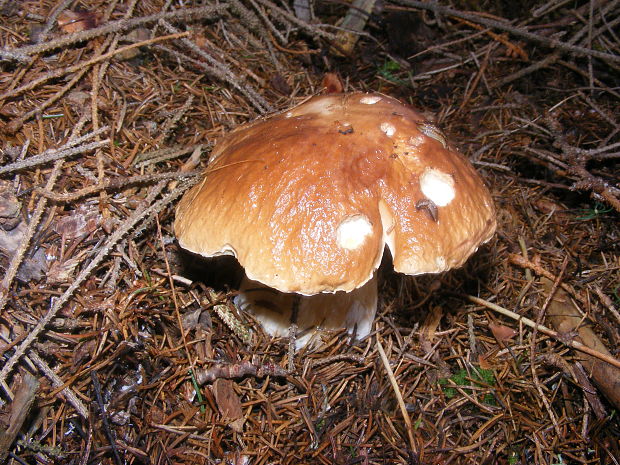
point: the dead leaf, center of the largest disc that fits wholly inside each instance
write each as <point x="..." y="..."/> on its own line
<point x="10" y="207"/>
<point x="228" y="403"/>
<point x="76" y="21"/>
<point x="82" y="221"/>
<point x="14" y="414"/>
<point x="431" y="323"/>
<point x="279" y="84"/>
<point x="332" y="84"/>
<point x="502" y="333"/>
<point x="483" y="362"/>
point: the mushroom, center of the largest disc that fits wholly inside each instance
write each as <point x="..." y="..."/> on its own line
<point x="308" y="199"/>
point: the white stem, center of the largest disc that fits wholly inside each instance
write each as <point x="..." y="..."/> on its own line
<point x="353" y="310"/>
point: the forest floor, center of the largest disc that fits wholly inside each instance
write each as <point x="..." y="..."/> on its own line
<point x="114" y="348"/>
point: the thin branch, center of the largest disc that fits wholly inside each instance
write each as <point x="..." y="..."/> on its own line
<point x="399" y="396"/>
<point x="185" y="14"/>
<point x="549" y="332"/>
<point x="128" y="225"/>
<point x="114" y="184"/>
<point x="53" y="155"/>
<point x="80" y="66"/>
<point x="223" y="72"/>
<point x="311" y="28"/>
<point x="17" y="258"/>
<point x="71" y="397"/>
<point x="519" y="32"/>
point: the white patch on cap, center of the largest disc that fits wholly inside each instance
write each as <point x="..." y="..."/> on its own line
<point x="322" y="106"/>
<point x="415" y="141"/>
<point x="289" y="114"/>
<point x="352" y="232"/>
<point x="388" y="129"/>
<point x="370" y="99"/>
<point x="437" y="186"/>
<point x="440" y="262"/>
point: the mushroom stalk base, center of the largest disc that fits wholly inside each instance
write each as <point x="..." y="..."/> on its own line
<point x="276" y="312"/>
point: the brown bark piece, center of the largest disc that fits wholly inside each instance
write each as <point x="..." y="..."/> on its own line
<point x="25" y="392"/>
<point x="228" y="403"/>
<point x="566" y="319"/>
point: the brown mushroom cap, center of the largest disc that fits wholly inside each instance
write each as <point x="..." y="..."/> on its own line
<point x="307" y="199"/>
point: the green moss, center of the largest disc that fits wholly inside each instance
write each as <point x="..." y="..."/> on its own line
<point x="478" y="377"/>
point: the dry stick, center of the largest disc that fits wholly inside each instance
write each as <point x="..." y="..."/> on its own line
<point x="547" y="61"/>
<point x="605" y="300"/>
<point x="607" y="26"/>
<point x="129" y="224"/>
<point x="65" y="151"/>
<point x="112" y="184"/>
<point x="512" y="48"/>
<point x="239" y="370"/>
<point x="576" y="166"/>
<point x="481" y="70"/>
<point x="175" y="300"/>
<point x="399" y="396"/>
<point x="219" y="74"/>
<point x="51" y="155"/>
<point x="163" y="154"/>
<point x="71" y="397"/>
<point x="553" y="43"/>
<point x="16" y="259"/>
<point x="225" y="73"/>
<point x="80" y="66"/>
<point x="186" y="14"/>
<point x="311" y="28"/>
<point x="539" y="318"/>
<point x="539" y="270"/>
<point x="254" y="26"/>
<point x="549" y="332"/>
<point x="51" y="20"/>
<point x="16" y="124"/>
<point x="596" y="185"/>
<point x="261" y="30"/>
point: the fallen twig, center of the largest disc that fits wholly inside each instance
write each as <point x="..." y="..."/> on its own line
<point x="24" y="53"/>
<point x="543" y="329"/>
<point x="123" y="229"/>
<point x="502" y="26"/>
<point x="20" y="408"/>
<point x="114" y="184"/>
<point x="71" y="397"/>
<point x="66" y="151"/>
<point x="239" y="370"/>
<point x="399" y="396"/>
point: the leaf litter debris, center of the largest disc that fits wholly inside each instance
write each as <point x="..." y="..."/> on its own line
<point x="117" y="347"/>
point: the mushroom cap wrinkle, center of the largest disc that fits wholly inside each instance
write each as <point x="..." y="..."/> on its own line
<point x="306" y="200"/>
